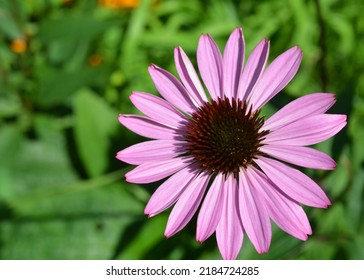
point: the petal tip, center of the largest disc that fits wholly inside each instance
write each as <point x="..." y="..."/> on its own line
<point x="148" y="212"/>
<point x="167" y="234"/>
<point x="121" y="118"/>
<point x="119" y="155"/>
<point x="152" y="67"/>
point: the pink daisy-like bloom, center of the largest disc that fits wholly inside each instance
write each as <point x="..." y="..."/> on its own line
<point x="218" y="152"/>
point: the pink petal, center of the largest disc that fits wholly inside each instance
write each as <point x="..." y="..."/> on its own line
<point x="150" y="151"/>
<point x="171" y="89"/>
<point x="187" y="205"/>
<point x="301" y="156"/>
<point x="305" y="106"/>
<point x="286" y="213"/>
<point x="189" y="77"/>
<point x="157" y="109"/>
<point x="211" y="209"/>
<point x="294" y="183"/>
<point x="254" y="215"/>
<point x="278" y="74"/>
<point x="253" y="69"/>
<point x="154" y="171"/>
<point x="209" y="62"/>
<point x="168" y="193"/>
<point x="233" y="62"/>
<point x="229" y="231"/>
<point x="307" y="131"/>
<point x="147" y="127"/>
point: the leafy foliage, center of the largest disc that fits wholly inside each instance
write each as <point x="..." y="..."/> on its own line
<point x="67" y="68"/>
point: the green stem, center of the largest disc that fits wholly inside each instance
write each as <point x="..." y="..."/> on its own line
<point x="79" y="186"/>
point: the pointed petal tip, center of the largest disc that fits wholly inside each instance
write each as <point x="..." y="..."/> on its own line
<point x="199" y="240"/>
<point x="177" y="48"/>
<point x="133" y="94"/>
<point x="126" y="177"/>
<point x="228" y="256"/>
<point x="265" y="41"/>
<point x="119" y="155"/>
<point x="122" y="118"/>
<point x="152" y="67"/>
<point x="333" y="165"/>
<point x="263" y="251"/>
<point x="238" y="30"/>
<point x="149" y="214"/>
<point x="167" y="234"/>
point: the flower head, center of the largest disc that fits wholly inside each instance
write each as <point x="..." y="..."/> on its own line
<point x="219" y="152"/>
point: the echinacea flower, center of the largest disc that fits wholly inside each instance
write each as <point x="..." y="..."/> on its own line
<point x="219" y="152"/>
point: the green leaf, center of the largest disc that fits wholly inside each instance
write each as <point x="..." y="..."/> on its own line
<point x="72" y="27"/>
<point x="72" y="225"/>
<point x="42" y="165"/>
<point x="94" y="123"/>
<point x="355" y="201"/>
<point x="333" y="221"/>
<point x="10" y="145"/>
<point x="316" y="249"/>
<point x="56" y="88"/>
<point x="147" y="237"/>
<point x="8" y="25"/>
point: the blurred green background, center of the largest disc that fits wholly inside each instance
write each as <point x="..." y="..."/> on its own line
<point x="67" y="68"/>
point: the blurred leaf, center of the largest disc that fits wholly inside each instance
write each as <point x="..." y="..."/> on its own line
<point x="56" y="88"/>
<point x="6" y="183"/>
<point x="71" y="27"/>
<point x="81" y="225"/>
<point x="10" y="148"/>
<point x="8" y="25"/>
<point x="318" y="250"/>
<point x="355" y="199"/>
<point x="333" y="221"/>
<point x="94" y="123"/>
<point x="356" y="248"/>
<point x="336" y="181"/>
<point x="149" y="234"/>
<point x="42" y="165"/>
<point x="10" y="145"/>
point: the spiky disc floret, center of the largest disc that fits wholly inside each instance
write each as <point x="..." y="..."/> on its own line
<point x="224" y="135"/>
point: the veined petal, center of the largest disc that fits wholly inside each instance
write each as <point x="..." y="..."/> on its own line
<point x="209" y="62"/>
<point x="307" y="131"/>
<point x="189" y="77"/>
<point x="253" y="69"/>
<point x="211" y="209"/>
<point x="305" y="106"/>
<point x="229" y="231"/>
<point x="151" y="150"/>
<point x="171" y="89"/>
<point x="233" y="62"/>
<point x="157" y="109"/>
<point x="294" y="183"/>
<point x="168" y="193"/>
<point x="187" y="205"/>
<point x="146" y="127"/>
<point x="154" y="171"/>
<point x="301" y="156"/>
<point x="254" y="215"/>
<point x="286" y="213"/>
<point x="278" y="74"/>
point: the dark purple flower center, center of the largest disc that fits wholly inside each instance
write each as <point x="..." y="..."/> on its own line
<point x="224" y="136"/>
